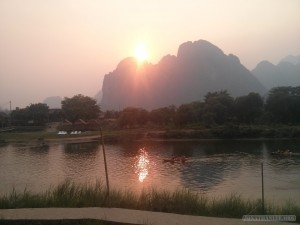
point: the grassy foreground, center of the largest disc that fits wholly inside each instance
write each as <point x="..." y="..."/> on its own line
<point x="182" y="201"/>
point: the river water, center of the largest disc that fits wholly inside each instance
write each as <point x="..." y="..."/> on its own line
<point x="212" y="167"/>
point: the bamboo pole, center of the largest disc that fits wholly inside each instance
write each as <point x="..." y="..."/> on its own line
<point x="262" y="188"/>
<point x="105" y="163"/>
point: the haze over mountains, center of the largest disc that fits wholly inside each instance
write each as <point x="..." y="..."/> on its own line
<point x="54" y="102"/>
<point x="285" y="73"/>
<point x="199" y="68"/>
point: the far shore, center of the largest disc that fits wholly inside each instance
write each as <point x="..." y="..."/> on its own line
<point x="144" y="134"/>
<point x="91" y="138"/>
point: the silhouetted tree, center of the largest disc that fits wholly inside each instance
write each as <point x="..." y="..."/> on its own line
<point x="4" y="119"/>
<point x="55" y="115"/>
<point x="38" y="113"/>
<point x="162" y="116"/>
<point x="20" y="117"/>
<point x="111" y="114"/>
<point x="132" y="116"/>
<point x="283" y="104"/>
<point x="80" y="107"/>
<point x="218" y="108"/>
<point x="35" y="114"/>
<point x="188" y="113"/>
<point x="248" y="108"/>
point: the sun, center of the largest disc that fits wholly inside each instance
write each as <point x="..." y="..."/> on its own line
<point x="141" y="53"/>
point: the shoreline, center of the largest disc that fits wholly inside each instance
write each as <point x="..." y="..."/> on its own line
<point x="119" y="139"/>
<point x="92" y="138"/>
<point x="157" y="135"/>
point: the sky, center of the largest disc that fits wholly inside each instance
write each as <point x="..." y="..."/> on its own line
<point x="65" y="47"/>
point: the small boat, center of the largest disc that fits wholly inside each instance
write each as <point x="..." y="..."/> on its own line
<point x="285" y="152"/>
<point x="181" y="159"/>
<point x="40" y="146"/>
<point x="169" y="160"/>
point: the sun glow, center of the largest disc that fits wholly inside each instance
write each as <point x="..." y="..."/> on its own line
<point x="141" y="53"/>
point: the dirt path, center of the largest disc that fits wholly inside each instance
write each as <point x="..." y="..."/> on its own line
<point x="121" y="215"/>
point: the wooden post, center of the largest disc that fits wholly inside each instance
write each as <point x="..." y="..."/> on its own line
<point x="10" y="123"/>
<point x="262" y="188"/>
<point x="105" y="163"/>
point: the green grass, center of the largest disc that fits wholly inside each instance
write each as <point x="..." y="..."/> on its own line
<point x="182" y="201"/>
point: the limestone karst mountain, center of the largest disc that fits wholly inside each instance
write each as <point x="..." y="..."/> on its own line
<point x="54" y="102"/>
<point x="199" y="68"/>
<point x="285" y="73"/>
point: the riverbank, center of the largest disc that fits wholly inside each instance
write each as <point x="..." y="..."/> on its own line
<point x="182" y="201"/>
<point x="39" y="137"/>
<point x="134" y="134"/>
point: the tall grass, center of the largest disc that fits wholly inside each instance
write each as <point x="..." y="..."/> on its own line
<point x="182" y="201"/>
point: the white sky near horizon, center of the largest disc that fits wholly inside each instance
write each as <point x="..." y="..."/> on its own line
<point x="65" y="47"/>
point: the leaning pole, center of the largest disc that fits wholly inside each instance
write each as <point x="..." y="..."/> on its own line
<point x="262" y="188"/>
<point x="105" y="163"/>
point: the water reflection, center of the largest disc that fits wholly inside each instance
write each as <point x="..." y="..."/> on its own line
<point x="214" y="167"/>
<point x="81" y="147"/>
<point x="81" y="160"/>
<point x="204" y="173"/>
<point x="142" y="164"/>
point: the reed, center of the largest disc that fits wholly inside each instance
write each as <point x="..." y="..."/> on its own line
<point x="182" y="201"/>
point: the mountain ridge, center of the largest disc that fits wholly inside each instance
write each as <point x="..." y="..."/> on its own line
<point x="199" y="67"/>
<point x="285" y="73"/>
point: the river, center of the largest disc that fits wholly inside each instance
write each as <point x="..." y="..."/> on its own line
<point x="212" y="167"/>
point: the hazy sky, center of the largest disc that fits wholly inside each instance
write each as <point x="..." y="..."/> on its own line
<point x="65" y="47"/>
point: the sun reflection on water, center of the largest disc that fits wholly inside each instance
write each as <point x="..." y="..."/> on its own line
<point x="142" y="164"/>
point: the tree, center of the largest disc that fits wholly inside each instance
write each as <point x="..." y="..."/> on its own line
<point x="162" y="116"/>
<point x="38" y="113"/>
<point x="55" y="115"/>
<point x="132" y="116"/>
<point x="34" y="114"/>
<point x="218" y="108"/>
<point x="188" y="113"/>
<point x="111" y="114"/>
<point x="283" y="104"/>
<point x="4" y="119"/>
<point x="20" y="117"/>
<point x="80" y="107"/>
<point x="248" y="108"/>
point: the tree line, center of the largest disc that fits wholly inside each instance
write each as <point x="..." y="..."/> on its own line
<point x="39" y="114"/>
<point x="281" y="105"/>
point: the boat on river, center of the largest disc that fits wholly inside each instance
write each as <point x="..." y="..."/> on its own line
<point x="181" y="159"/>
<point x="42" y="145"/>
<point x="285" y="152"/>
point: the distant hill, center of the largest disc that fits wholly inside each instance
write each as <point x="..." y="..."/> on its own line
<point x="98" y="97"/>
<point x="291" y="59"/>
<point x="53" y="102"/>
<point x="285" y="73"/>
<point x="199" y="68"/>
